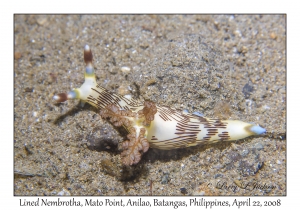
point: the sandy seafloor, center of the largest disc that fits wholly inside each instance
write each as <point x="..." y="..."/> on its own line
<point x="224" y="66"/>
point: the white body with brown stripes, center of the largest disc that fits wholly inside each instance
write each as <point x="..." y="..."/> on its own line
<point x="170" y="128"/>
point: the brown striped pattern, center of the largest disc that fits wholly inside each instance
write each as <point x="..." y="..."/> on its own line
<point x="224" y="136"/>
<point x="187" y="129"/>
<point x="105" y="98"/>
<point x="215" y="123"/>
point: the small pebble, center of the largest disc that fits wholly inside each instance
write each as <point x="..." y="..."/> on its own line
<point x="238" y="33"/>
<point x="259" y="146"/>
<point x="175" y="63"/>
<point x="64" y="192"/>
<point x="17" y="55"/>
<point x="266" y="107"/>
<point x="128" y="96"/>
<point x="28" y="89"/>
<point x="183" y="190"/>
<point x="125" y="69"/>
<point x="60" y="193"/>
<point x="128" y="46"/>
<point x="165" y="179"/>
<point x="218" y="175"/>
<point x="193" y="158"/>
<point x="182" y="166"/>
<point x="258" y="167"/>
<point x="273" y="35"/>
<point x="201" y="193"/>
<point x="245" y="152"/>
<point x="238" y="183"/>
<point x="35" y="114"/>
<point x="42" y="20"/>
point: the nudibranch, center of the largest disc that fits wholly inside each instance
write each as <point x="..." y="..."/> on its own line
<point x="150" y="125"/>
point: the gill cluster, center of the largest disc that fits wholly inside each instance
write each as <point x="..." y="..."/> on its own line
<point x="150" y="125"/>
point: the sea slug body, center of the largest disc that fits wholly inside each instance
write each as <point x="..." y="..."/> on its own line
<point x="150" y="125"/>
